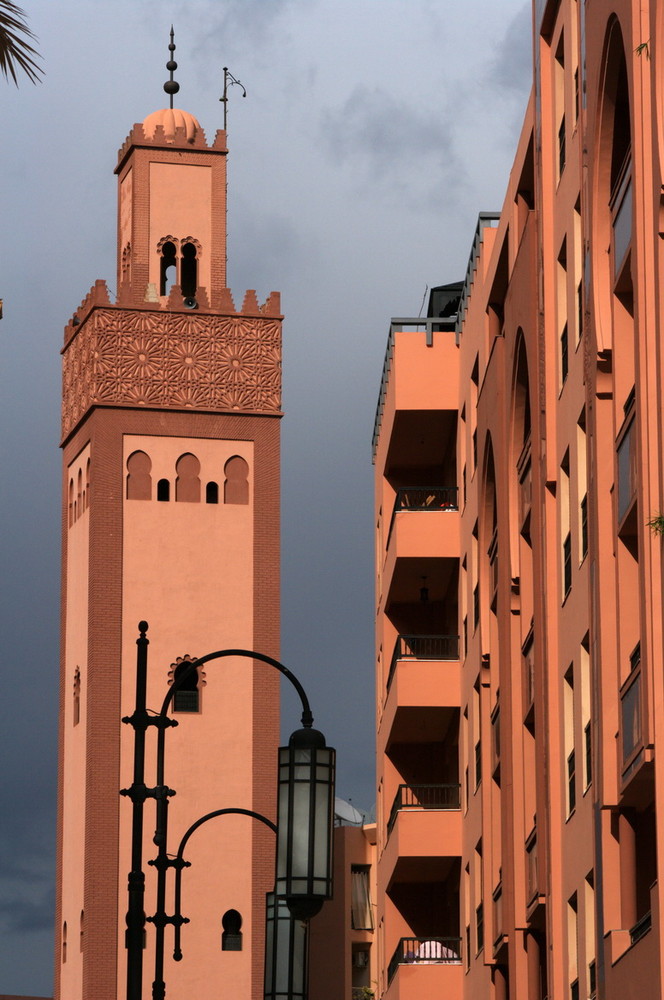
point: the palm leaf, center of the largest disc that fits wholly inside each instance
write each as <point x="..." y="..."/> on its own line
<point x="15" y="52"/>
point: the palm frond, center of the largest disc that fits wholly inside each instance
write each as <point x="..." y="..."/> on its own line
<point x="15" y="51"/>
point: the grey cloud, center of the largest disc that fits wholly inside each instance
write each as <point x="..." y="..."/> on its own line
<point x="373" y="129"/>
<point x="512" y="66"/>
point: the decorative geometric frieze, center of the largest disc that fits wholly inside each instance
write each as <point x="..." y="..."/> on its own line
<point x="161" y="359"/>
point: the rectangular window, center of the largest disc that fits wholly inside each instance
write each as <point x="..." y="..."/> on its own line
<point x="584" y="527"/>
<point x="571" y="783"/>
<point x="476" y="606"/>
<point x="567" y="565"/>
<point x="479" y="926"/>
<point x="588" y="748"/>
<point x="626" y="471"/>
<point x="360" y="898"/>
<point x="564" y="355"/>
<point x="561" y="147"/>
<point x="478" y="763"/>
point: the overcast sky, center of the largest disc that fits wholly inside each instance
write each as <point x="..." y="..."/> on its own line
<point x="373" y="133"/>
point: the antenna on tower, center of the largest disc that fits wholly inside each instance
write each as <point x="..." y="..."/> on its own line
<point x="229" y="80"/>
<point x="171" y="86"/>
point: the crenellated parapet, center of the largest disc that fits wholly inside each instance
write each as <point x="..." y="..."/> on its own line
<point x="171" y="128"/>
<point x="212" y="358"/>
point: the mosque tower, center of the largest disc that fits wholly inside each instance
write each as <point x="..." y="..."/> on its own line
<point x="170" y="438"/>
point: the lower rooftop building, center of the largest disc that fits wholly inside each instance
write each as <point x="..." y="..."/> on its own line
<point x="519" y="491"/>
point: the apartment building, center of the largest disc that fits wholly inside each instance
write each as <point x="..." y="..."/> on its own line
<point x="517" y="447"/>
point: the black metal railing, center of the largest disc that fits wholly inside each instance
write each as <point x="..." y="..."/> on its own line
<point x="425" y="951"/>
<point x="640" y="928"/>
<point x="445" y="498"/>
<point x="424" y="797"/>
<point x="423" y="647"/>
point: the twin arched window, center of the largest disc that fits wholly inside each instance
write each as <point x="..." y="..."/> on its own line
<point x="178" y="264"/>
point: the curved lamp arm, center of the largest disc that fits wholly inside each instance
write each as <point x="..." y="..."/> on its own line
<point x="307" y="717"/>
<point x="179" y="862"/>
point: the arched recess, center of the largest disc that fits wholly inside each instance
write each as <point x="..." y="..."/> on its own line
<point x="236" y="484"/>
<point x="521" y="479"/>
<point x="139" y="480"/>
<point x="187" y="483"/>
<point x="612" y="214"/>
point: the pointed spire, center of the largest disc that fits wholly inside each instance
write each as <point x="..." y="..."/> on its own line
<point x="171" y="86"/>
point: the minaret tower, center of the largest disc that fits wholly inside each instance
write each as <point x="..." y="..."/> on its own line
<point x="170" y="438"/>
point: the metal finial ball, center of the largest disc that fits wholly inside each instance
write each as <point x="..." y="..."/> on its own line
<point x="143" y="626"/>
<point x="171" y="86"/>
<point x="171" y="65"/>
<point x="171" y="47"/>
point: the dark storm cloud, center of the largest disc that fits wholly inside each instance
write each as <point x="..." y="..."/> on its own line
<point x="25" y="907"/>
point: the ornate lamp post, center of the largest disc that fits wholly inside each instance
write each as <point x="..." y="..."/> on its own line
<point x="304" y="827"/>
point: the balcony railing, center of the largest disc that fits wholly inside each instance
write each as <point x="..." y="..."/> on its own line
<point x="422" y="498"/>
<point x="640" y="928"/>
<point x="423" y="647"/>
<point x="443" y="797"/>
<point x="425" y="951"/>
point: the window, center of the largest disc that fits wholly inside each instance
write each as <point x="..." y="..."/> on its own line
<point x="571" y="783"/>
<point x="231" y="937"/>
<point x="168" y="268"/>
<point x="360" y="898"/>
<point x="564" y="355"/>
<point x="584" y="527"/>
<point x="479" y="926"/>
<point x="189" y="270"/>
<point x="186" y="698"/>
<point x="163" y="490"/>
<point x="588" y="749"/>
<point x="478" y="763"/>
<point x="77" y="696"/>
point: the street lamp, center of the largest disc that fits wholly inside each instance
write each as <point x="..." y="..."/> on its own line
<point x="305" y="814"/>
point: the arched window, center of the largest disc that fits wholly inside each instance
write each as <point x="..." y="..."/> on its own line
<point x="64" y="942"/>
<point x="212" y="493"/>
<point x="139" y="480"/>
<point x="87" y="484"/>
<point x="71" y="502"/>
<point x="187" y="484"/>
<point x="186" y="698"/>
<point x="163" y="490"/>
<point x="80" y="940"/>
<point x="236" y="486"/>
<point x="231" y="938"/>
<point x="189" y="270"/>
<point x="168" y="268"/>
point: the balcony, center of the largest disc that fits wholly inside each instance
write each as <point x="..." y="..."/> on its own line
<point x="423" y="836"/>
<point x="436" y="648"/>
<point x="416" y="951"/>
<point x="414" y="530"/>
<point x="424" y="797"/>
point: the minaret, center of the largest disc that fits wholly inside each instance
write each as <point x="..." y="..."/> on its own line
<point x="170" y="438"/>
